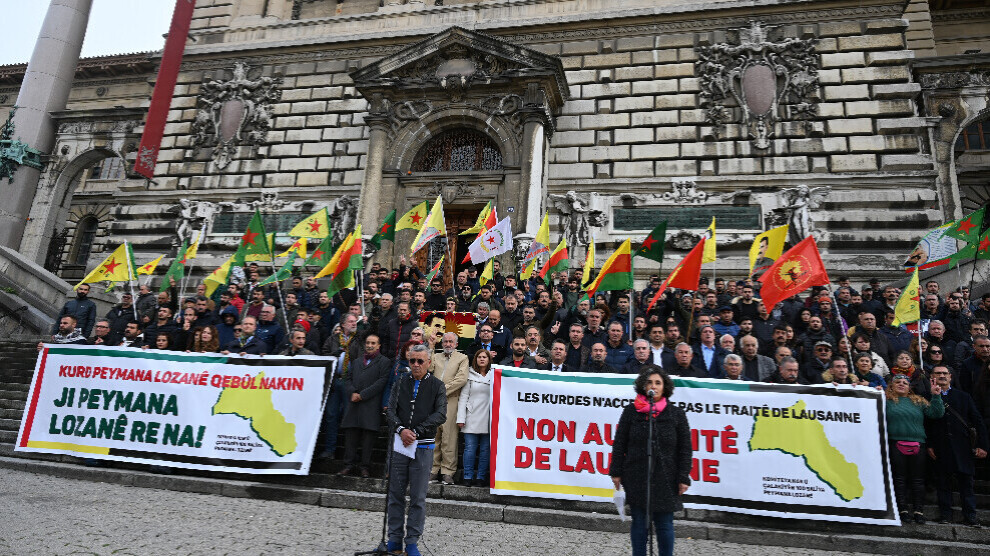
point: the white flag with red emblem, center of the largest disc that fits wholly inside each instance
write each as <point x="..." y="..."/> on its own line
<point x="493" y="242"/>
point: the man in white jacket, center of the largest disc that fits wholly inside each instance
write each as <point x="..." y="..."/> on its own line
<point x="451" y="367"/>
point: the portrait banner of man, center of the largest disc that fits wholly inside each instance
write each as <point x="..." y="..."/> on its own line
<point x="436" y="323"/>
<point x="766" y="248"/>
<point x="935" y="246"/>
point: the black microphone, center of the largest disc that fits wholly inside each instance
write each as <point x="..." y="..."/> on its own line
<point x="650" y="394"/>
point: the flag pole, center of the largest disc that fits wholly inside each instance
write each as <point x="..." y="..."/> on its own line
<point x="130" y="283"/>
<point x="278" y="287"/>
<point x="844" y="326"/>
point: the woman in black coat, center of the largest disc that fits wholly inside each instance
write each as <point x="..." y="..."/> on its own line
<point x="671" y="459"/>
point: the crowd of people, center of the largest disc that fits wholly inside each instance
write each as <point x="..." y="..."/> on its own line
<point x="937" y="382"/>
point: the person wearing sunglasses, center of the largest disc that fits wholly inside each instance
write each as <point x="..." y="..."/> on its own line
<point x="417" y="406"/>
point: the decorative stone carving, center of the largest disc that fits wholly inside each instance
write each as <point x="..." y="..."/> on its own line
<point x="759" y="74"/>
<point x="269" y="202"/>
<point x="343" y="215"/>
<point x="195" y="215"/>
<point x="954" y="80"/>
<point x="685" y="191"/>
<point x="234" y="112"/>
<point x="451" y="190"/>
<point x="684" y="239"/>
<point x="455" y="69"/>
<point x="796" y="212"/>
<point x="577" y="216"/>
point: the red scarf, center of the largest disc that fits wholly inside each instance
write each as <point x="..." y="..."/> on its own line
<point x="908" y="372"/>
<point x="642" y="404"/>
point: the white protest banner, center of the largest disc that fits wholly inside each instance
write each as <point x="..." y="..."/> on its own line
<point x="204" y="411"/>
<point x="805" y="452"/>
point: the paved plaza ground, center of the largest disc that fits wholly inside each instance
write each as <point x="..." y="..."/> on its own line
<point x="50" y="515"/>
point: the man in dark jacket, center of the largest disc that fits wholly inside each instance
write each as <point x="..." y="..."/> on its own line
<point x="519" y="357"/>
<point x="163" y="324"/>
<point x="417" y="406"/>
<point x="248" y="342"/>
<point x="363" y="385"/>
<point x="82" y="309"/>
<point x="597" y="364"/>
<point x="968" y="374"/>
<point x="950" y="446"/>
<point x="787" y="372"/>
<point x="558" y="358"/>
<point x="120" y="314"/>
<point x="685" y="364"/>
<point x="399" y="328"/>
<point x="484" y="341"/>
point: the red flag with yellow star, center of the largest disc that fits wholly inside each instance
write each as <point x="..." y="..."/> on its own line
<point x="795" y="271"/>
<point x="315" y="225"/>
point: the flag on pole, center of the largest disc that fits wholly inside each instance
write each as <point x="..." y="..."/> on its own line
<point x="492" y="243"/>
<point x="908" y="307"/>
<point x="983" y="247"/>
<point x="177" y="269"/>
<point x="558" y="261"/>
<point x="298" y="249"/>
<point x="709" y="255"/>
<point x="528" y="269"/>
<point x="385" y="231"/>
<point x="283" y="273"/>
<point x="413" y="220"/>
<point x="795" y="271"/>
<point x="149" y="267"/>
<point x="435" y="270"/>
<point x="491" y="219"/>
<point x="344" y="262"/>
<point x="541" y="243"/>
<point x="652" y="246"/>
<point x="193" y="249"/>
<point x="315" y="225"/>
<point x="685" y="275"/>
<point x="322" y="254"/>
<point x="935" y="249"/>
<point x="766" y="248"/>
<point x="589" y="265"/>
<point x="616" y="273"/>
<point x="434" y="227"/>
<point x="968" y="228"/>
<point x="218" y="277"/>
<point x="488" y="274"/>
<point x="479" y="225"/>
<point x="253" y="241"/>
<point x="115" y="268"/>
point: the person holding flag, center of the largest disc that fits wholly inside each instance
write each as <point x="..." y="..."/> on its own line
<point x="117" y="267"/>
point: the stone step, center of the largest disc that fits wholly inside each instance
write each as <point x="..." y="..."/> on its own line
<point x="10" y="425"/>
<point x="12" y="404"/>
<point x="910" y="539"/>
<point x="15" y="386"/>
<point x="8" y="437"/>
<point x="13" y="394"/>
<point x="11" y="414"/>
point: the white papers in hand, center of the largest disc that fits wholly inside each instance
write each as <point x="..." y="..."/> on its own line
<point x="620" y="504"/>
<point x="408" y="451"/>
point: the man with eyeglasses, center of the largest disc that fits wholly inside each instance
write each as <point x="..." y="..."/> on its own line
<point x="102" y="335"/>
<point x="951" y="447"/>
<point x="820" y="362"/>
<point x="417" y="406"/>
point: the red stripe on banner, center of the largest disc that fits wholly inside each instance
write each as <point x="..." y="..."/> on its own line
<point x="161" y="98"/>
<point x="493" y="437"/>
<point x="29" y="420"/>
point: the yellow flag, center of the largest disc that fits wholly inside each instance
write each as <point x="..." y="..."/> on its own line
<point x="192" y="250"/>
<point x="118" y="267"/>
<point x="589" y="264"/>
<point x="479" y="225"/>
<point x="489" y="273"/>
<point x="435" y="226"/>
<point x="709" y="255"/>
<point x="314" y="225"/>
<point x="528" y="270"/>
<point x="414" y="219"/>
<point x="768" y="246"/>
<point x="218" y="277"/>
<point x="345" y="248"/>
<point x="149" y="267"/>
<point x="541" y="243"/>
<point x="908" y="308"/>
<point x="299" y="248"/>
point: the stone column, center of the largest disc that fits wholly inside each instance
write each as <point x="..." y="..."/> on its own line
<point x="45" y="89"/>
<point x="532" y="186"/>
<point x="371" y="190"/>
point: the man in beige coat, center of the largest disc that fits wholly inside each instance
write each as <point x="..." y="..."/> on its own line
<point x="451" y="367"/>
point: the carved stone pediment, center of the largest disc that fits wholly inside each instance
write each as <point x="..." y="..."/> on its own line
<point x="457" y="61"/>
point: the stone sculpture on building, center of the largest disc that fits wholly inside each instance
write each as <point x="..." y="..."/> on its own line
<point x="577" y="216"/>
<point x="195" y="215"/>
<point x="343" y="215"/>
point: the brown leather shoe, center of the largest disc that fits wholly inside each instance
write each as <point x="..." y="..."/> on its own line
<point x="346" y="470"/>
<point x="365" y="473"/>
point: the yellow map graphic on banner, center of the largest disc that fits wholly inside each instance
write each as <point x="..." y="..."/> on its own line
<point x="801" y="435"/>
<point x="255" y="405"/>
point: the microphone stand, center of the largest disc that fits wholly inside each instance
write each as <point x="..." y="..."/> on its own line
<point x="382" y="548"/>
<point x="649" y="471"/>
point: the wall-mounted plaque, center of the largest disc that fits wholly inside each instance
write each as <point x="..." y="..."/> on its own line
<point x="727" y="217"/>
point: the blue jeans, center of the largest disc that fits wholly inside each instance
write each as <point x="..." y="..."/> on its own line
<point x="331" y="417"/>
<point x="663" y="522"/>
<point x="476" y="456"/>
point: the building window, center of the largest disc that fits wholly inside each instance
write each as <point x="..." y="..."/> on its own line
<point x="85" y="234"/>
<point x="976" y="137"/>
<point x="459" y="150"/>
<point x="107" y="169"/>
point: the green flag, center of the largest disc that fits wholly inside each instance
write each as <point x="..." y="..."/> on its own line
<point x="253" y="241"/>
<point x="386" y="231"/>
<point x="968" y="228"/>
<point x="652" y="246"/>
<point x="177" y="269"/>
<point x="436" y="269"/>
<point x="283" y="273"/>
<point x="322" y="254"/>
<point x="983" y="247"/>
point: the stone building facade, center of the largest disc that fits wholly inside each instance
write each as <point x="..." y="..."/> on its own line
<point x="856" y="121"/>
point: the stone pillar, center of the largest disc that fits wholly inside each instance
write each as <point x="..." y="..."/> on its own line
<point x="45" y="89"/>
<point x="371" y="190"/>
<point x="532" y="186"/>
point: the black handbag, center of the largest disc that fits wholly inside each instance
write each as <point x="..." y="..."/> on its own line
<point x="974" y="437"/>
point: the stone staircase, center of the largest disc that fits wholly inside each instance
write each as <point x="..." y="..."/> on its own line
<point x="322" y="487"/>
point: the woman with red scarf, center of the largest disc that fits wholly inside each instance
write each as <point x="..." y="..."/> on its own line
<point x="671" y="459"/>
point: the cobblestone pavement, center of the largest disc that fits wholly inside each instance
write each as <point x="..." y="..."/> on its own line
<point x="49" y="515"/>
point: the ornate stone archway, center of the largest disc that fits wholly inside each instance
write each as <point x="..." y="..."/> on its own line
<point x="460" y="79"/>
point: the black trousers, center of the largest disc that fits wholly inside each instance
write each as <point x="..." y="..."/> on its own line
<point x="943" y="486"/>
<point x="351" y="439"/>
<point x="909" y="478"/>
